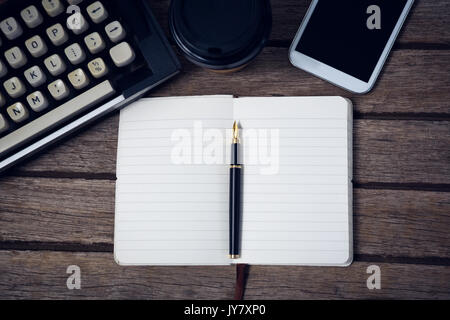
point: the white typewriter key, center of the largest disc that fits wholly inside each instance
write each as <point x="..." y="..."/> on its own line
<point x="14" y="87"/>
<point x="78" y="79"/>
<point x="3" y="69"/>
<point x="17" y="112"/>
<point x="97" y="68"/>
<point x="36" y="46"/>
<point x="53" y="7"/>
<point x="37" y="101"/>
<point x="15" y="57"/>
<point x="55" y="65"/>
<point x="11" y="28"/>
<point x="97" y="12"/>
<point x="75" y="54"/>
<point x="31" y="16"/>
<point x="58" y="90"/>
<point x="94" y="43"/>
<point x="122" y="54"/>
<point x="35" y="76"/>
<point x="57" y="34"/>
<point x="115" y="31"/>
<point x="2" y="100"/>
<point x="3" y="124"/>
<point x="77" y="23"/>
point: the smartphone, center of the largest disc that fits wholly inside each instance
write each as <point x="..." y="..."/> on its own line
<point x="346" y="42"/>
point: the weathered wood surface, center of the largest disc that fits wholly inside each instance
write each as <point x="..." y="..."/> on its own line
<point x="412" y="224"/>
<point x="388" y="151"/>
<point x="41" y="275"/>
<point x="413" y="81"/>
<point x="58" y="209"/>
<point x="398" y="281"/>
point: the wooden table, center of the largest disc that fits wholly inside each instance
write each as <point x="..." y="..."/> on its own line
<point x="58" y="209"/>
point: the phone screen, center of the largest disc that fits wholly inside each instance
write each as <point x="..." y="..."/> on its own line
<point x="350" y="35"/>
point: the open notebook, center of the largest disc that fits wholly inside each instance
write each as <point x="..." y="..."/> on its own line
<point x="172" y="181"/>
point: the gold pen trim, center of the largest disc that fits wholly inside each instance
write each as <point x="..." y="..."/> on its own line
<point x="234" y="256"/>
<point x="235" y="133"/>
<point x="234" y="166"/>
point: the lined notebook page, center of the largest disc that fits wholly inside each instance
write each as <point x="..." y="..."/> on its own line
<point x="167" y="212"/>
<point x="297" y="192"/>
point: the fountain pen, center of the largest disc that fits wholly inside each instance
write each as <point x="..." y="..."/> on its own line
<point x="235" y="196"/>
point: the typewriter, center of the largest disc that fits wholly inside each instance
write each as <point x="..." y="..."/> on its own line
<point x="66" y="63"/>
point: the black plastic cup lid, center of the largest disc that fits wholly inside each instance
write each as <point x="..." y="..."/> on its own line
<point x="221" y="34"/>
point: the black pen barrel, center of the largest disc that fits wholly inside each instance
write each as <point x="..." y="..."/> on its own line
<point x="235" y="210"/>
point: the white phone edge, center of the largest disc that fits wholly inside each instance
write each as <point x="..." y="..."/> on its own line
<point x="333" y="75"/>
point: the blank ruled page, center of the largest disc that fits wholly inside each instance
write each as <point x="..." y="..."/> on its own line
<point x="172" y="181"/>
<point x="297" y="191"/>
<point x="172" y="203"/>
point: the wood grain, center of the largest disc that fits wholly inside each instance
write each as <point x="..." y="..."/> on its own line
<point x="384" y="152"/>
<point x="57" y="210"/>
<point x="397" y="282"/>
<point x="401" y="151"/>
<point x="42" y="275"/>
<point x="426" y="23"/>
<point x="413" y="224"/>
<point x="402" y="223"/>
<point x="413" y="81"/>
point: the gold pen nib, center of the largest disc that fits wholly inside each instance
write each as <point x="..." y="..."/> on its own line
<point x="235" y="133"/>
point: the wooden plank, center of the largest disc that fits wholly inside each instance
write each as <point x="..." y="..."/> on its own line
<point x="398" y="281"/>
<point x="42" y="275"/>
<point x="401" y="151"/>
<point x="57" y="210"/>
<point x="401" y="223"/>
<point x="410" y="223"/>
<point x="426" y="23"/>
<point x="384" y="151"/>
<point x="413" y="81"/>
